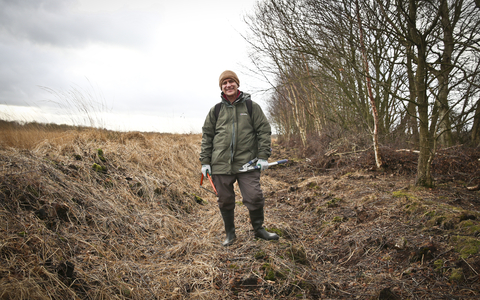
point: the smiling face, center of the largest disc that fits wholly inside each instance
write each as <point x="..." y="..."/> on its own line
<point x="230" y="89"/>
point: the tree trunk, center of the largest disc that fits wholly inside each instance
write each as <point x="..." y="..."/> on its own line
<point x="476" y="126"/>
<point x="412" y="124"/>
<point x="378" y="158"/>
<point x="296" y="110"/>
<point x="424" y="176"/>
<point x="443" y="76"/>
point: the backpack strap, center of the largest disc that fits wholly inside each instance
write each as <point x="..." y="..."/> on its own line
<point x="218" y="106"/>
<point x="249" y="106"/>
<point x="217" y="110"/>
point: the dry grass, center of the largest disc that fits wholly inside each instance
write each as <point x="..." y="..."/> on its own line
<point x="22" y="137"/>
<point x="124" y="231"/>
<point x="136" y="231"/>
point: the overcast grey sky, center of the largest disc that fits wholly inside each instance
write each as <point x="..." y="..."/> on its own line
<point x="153" y="65"/>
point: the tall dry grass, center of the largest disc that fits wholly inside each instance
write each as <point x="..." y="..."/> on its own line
<point x="27" y="136"/>
<point x="83" y="106"/>
<point x="96" y="214"/>
<point x="129" y="231"/>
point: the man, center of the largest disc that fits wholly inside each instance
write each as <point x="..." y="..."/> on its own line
<point x="233" y="136"/>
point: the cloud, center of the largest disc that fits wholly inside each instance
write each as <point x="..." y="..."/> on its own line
<point x="41" y="43"/>
<point x="59" y="23"/>
<point x="151" y="60"/>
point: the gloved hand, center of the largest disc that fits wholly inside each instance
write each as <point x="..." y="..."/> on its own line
<point x="205" y="169"/>
<point x="262" y="164"/>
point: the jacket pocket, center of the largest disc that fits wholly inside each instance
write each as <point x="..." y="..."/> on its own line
<point x="245" y="156"/>
<point x="219" y="156"/>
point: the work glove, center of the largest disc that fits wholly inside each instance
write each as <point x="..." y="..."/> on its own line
<point x="262" y="164"/>
<point x="205" y="169"/>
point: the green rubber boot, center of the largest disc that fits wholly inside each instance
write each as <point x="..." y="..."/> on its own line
<point x="257" y="217"/>
<point x="228" y="219"/>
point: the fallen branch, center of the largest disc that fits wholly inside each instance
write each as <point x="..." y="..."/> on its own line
<point x="332" y="152"/>
<point x="407" y="150"/>
<point x="473" y="188"/>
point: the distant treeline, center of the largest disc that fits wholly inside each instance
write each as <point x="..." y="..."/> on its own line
<point x="38" y="126"/>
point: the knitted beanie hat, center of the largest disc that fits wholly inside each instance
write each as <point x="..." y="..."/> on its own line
<point x="228" y="74"/>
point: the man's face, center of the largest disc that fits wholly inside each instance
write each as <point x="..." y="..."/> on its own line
<point x="229" y="87"/>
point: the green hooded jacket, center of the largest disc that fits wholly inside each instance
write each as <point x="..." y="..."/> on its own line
<point x="236" y="137"/>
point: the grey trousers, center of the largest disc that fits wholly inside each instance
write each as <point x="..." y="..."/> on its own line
<point x="249" y="184"/>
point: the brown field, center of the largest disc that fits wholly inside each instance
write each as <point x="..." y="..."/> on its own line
<point x="93" y="214"/>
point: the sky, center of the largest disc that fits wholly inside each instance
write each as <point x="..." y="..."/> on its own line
<point x="143" y="65"/>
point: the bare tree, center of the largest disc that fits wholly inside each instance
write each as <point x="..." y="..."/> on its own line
<point x="315" y="44"/>
<point x="378" y="159"/>
<point x="396" y="68"/>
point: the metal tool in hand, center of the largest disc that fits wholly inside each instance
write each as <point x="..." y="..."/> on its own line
<point x="211" y="182"/>
<point x="251" y="165"/>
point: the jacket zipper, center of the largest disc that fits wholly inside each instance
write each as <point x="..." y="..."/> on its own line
<point x="232" y="144"/>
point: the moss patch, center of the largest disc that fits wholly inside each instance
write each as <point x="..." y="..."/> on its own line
<point x="465" y="245"/>
<point x="271" y="273"/>
<point x="438" y="264"/>
<point x="198" y="199"/>
<point x="279" y="232"/>
<point x="99" y="169"/>
<point x="413" y="207"/>
<point x="469" y="227"/>
<point x="100" y="155"/>
<point x="457" y="275"/>
<point x="337" y="219"/>
<point x="260" y="255"/>
<point x="333" y="203"/>
<point x="297" y="254"/>
<point x="402" y="194"/>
